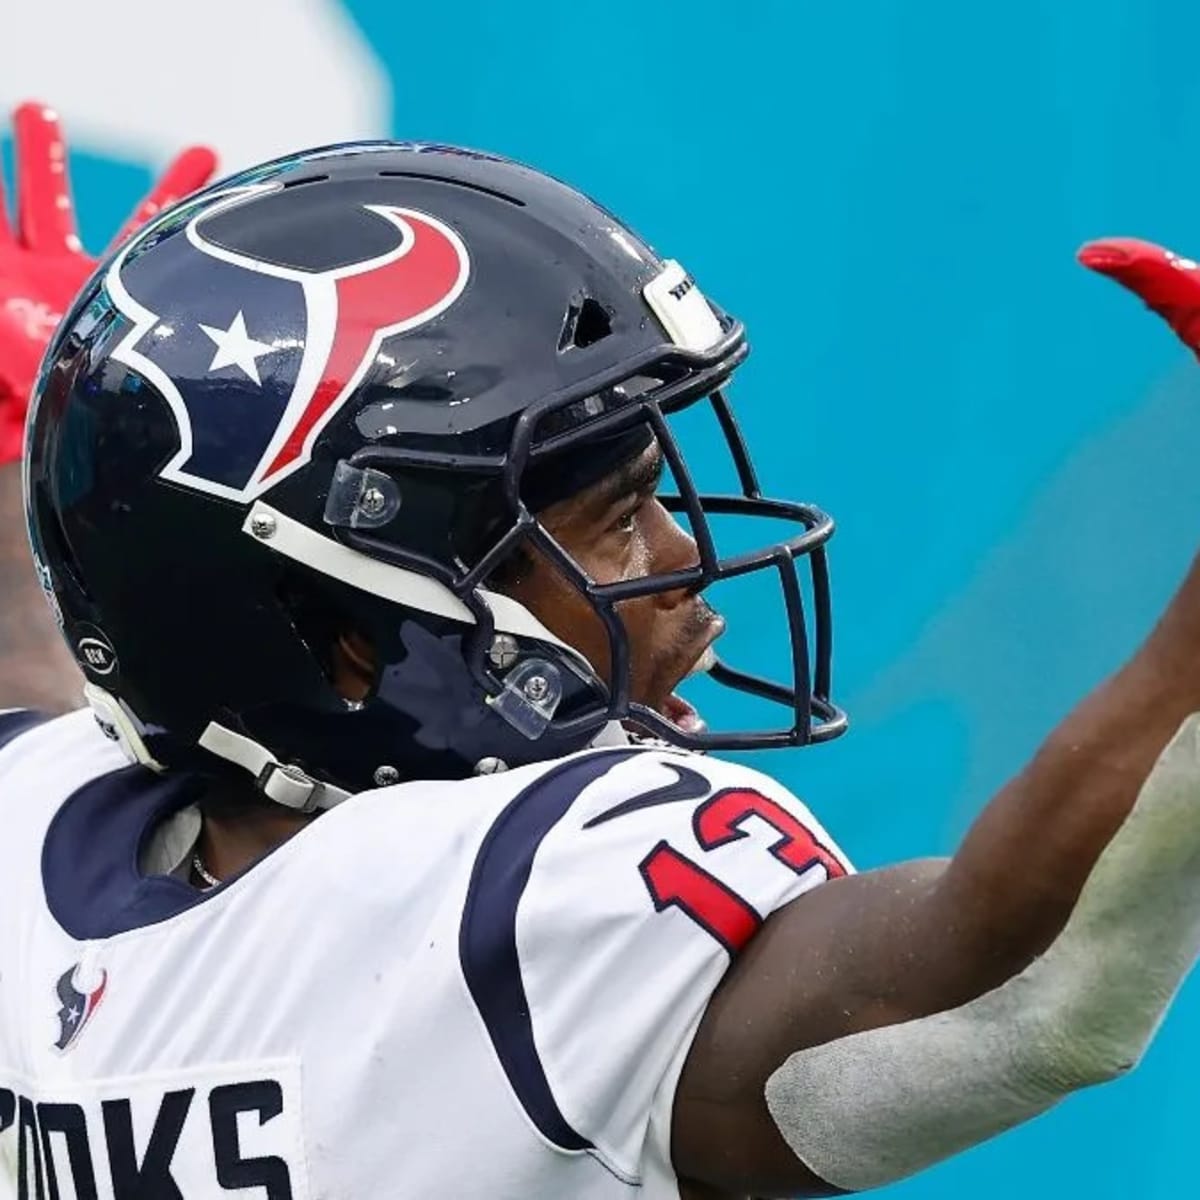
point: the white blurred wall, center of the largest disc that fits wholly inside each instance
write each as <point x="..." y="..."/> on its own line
<point x="137" y="79"/>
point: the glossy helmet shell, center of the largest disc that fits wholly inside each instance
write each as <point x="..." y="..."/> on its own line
<point x="309" y="399"/>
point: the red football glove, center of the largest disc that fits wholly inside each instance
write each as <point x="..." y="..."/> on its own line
<point x="42" y="262"/>
<point x="1169" y="283"/>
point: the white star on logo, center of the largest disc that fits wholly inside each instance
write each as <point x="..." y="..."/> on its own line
<point x="235" y="347"/>
<point x="73" y="1014"/>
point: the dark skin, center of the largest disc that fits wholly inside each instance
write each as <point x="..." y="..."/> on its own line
<point x="860" y="952"/>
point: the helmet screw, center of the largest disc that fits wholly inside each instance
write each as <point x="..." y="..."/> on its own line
<point x="536" y="687"/>
<point x="372" y="502"/>
<point x="490" y="766"/>
<point x="386" y="776"/>
<point x="262" y="525"/>
<point x="504" y="650"/>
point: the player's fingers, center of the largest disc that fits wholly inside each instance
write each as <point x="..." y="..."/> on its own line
<point x="1166" y="281"/>
<point x="46" y="216"/>
<point x="190" y="170"/>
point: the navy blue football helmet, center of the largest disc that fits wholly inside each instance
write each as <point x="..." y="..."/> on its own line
<point x="340" y="387"/>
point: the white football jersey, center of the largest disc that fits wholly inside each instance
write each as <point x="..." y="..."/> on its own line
<point x="478" y="989"/>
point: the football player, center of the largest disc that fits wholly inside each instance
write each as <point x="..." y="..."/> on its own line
<point x="383" y="859"/>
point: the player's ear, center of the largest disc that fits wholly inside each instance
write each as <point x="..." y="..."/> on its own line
<point x="353" y="663"/>
<point x="346" y="655"/>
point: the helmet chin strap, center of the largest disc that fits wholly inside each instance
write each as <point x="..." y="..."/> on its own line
<point x="283" y="783"/>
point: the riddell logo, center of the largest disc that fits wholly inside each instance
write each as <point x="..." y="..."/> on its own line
<point x="682" y="288"/>
<point x="94" y="652"/>
<point x="77" y="1006"/>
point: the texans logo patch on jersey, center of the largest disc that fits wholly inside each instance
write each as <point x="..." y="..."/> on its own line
<point x="257" y="357"/>
<point x="76" y="1007"/>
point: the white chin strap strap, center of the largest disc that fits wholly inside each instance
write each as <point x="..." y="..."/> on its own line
<point x="873" y="1107"/>
<point x="282" y="782"/>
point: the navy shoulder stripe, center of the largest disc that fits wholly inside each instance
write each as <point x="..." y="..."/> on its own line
<point x="13" y="724"/>
<point x="487" y="943"/>
<point x="94" y="887"/>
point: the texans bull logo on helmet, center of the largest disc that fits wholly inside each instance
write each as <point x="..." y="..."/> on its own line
<point x="250" y="397"/>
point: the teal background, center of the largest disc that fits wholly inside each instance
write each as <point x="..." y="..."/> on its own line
<point x="890" y="195"/>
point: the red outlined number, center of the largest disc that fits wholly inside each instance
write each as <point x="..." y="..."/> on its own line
<point x="675" y="881"/>
<point x="718" y="821"/>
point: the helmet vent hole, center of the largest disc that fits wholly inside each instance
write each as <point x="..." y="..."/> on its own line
<point x="464" y="183"/>
<point x="586" y="323"/>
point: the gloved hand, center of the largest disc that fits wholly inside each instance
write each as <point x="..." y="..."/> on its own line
<point x="1167" y="282"/>
<point x="42" y="262"/>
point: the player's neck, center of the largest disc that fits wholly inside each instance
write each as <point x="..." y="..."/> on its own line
<point x="231" y="841"/>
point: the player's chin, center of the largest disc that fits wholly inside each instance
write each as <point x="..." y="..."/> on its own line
<point x="680" y="712"/>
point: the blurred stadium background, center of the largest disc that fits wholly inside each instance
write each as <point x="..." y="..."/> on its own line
<point x="890" y="195"/>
